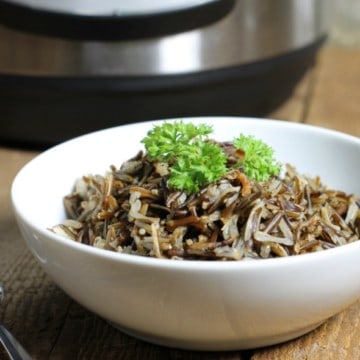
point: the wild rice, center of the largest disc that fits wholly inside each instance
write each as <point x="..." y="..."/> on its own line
<point x="132" y="210"/>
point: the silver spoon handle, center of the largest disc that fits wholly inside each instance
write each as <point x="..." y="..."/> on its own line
<point x="12" y="346"/>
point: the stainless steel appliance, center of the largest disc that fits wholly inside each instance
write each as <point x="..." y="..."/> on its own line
<point x="74" y="66"/>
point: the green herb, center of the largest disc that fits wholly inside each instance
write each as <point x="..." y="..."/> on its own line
<point x="166" y="141"/>
<point x="259" y="163"/>
<point x="194" y="161"/>
<point x="197" y="165"/>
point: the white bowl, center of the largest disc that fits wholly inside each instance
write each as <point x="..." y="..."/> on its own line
<point x="193" y="304"/>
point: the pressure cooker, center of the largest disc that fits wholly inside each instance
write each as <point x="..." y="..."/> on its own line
<point x="74" y="66"/>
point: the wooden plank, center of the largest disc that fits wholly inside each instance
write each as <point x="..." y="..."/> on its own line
<point x="335" y="102"/>
<point x="336" y="339"/>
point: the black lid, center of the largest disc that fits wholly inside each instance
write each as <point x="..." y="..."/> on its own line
<point x="112" y="22"/>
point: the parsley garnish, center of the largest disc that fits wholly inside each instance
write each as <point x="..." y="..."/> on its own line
<point x="194" y="161"/>
<point x="169" y="140"/>
<point x="259" y="163"/>
<point x="198" y="164"/>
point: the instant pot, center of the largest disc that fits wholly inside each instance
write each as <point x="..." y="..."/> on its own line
<point x="74" y="66"/>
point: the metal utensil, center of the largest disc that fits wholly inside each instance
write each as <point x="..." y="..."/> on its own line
<point x="13" y="348"/>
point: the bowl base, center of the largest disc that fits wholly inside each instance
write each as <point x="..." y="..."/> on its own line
<point x="217" y="345"/>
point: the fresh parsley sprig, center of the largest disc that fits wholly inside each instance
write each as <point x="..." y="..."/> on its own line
<point x="169" y="140"/>
<point x="259" y="162"/>
<point x="194" y="161"/>
<point x="197" y="165"/>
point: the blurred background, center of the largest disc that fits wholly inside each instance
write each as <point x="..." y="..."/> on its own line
<point x="71" y="67"/>
<point x="345" y="23"/>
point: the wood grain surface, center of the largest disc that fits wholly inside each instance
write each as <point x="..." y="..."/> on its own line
<point x="52" y="326"/>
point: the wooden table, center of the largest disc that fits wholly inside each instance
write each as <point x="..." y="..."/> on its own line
<point x="53" y="326"/>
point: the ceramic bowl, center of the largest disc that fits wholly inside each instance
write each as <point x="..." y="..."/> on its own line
<point x="193" y="304"/>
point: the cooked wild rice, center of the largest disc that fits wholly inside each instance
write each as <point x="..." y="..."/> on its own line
<point x="132" y="210"/>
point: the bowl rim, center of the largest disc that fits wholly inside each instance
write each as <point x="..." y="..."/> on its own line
<point x="185" y="264"/>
